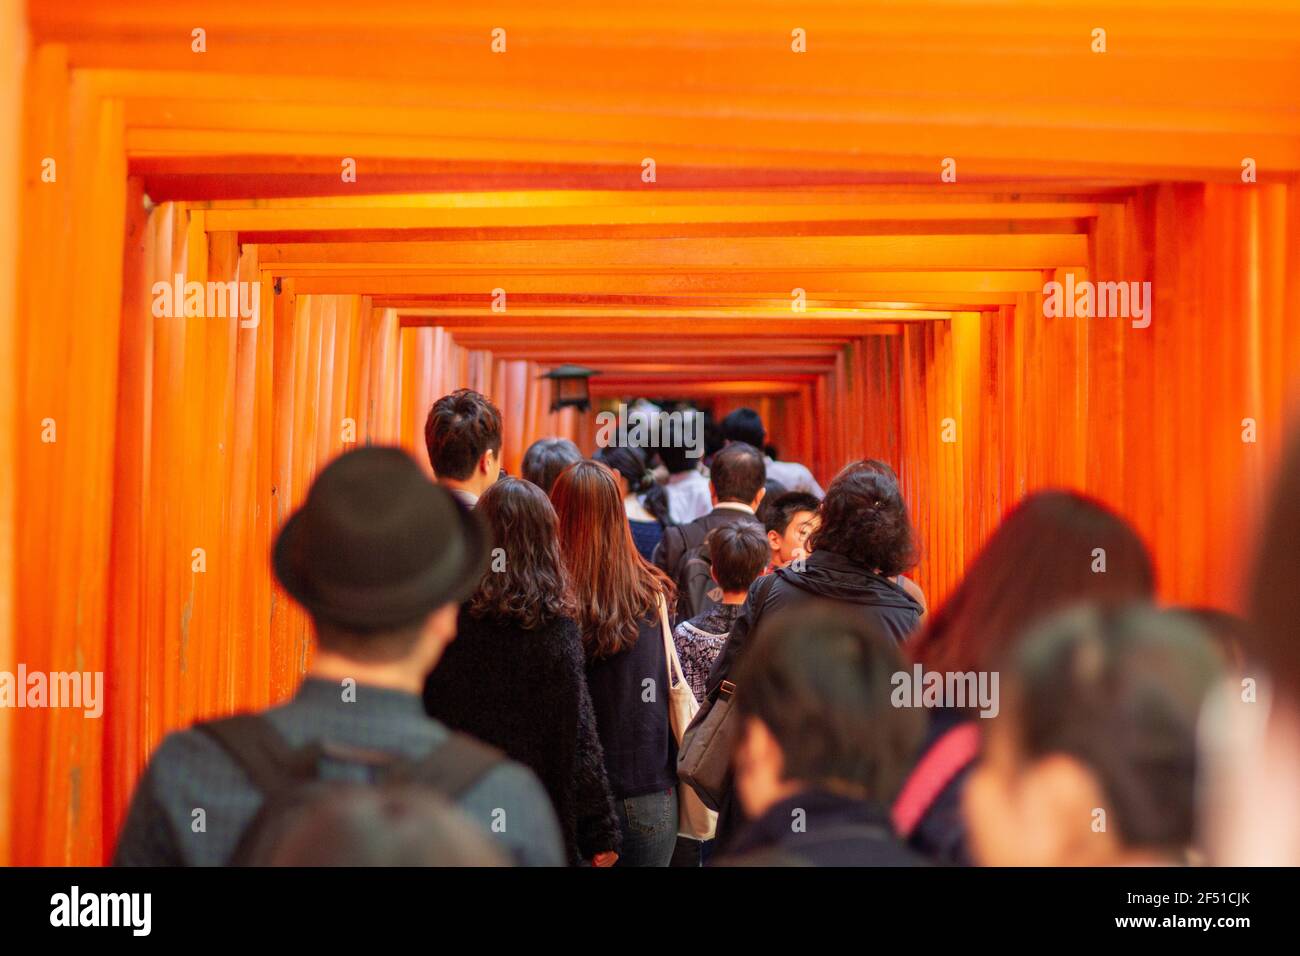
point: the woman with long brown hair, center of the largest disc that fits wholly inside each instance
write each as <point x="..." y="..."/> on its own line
<point x="1053" y="550"/>
<point x="617" y="594"/>
<point x="514" y="676"/>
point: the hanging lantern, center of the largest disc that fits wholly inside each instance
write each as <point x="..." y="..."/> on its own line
<point x="570" y="387"/>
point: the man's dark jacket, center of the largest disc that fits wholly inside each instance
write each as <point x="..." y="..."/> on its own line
<point x="818" y="828"/>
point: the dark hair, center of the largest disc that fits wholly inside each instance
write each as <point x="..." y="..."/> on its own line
<point x="546" y="458"/>
<point x="738" y="553"/>
<point x="771" y="452"/>
<point x="631" y="464"/>
<point x="737" y="472"/>
<point x="349" y="824"/>
<point x="1120" y="690"/>
<point x="744" y="425"/>
<point x="778" y="511"/>
<point x="1038" y="561"/>
<point x="771" y="489"/>
<point x="371" y="647"/>
<point x="1275" y="590"/>
<point x="820" y="679"/>
<point x="674" y="453"/>
<point x="614" y="587"/>
<point x="460" y="428"/>
<point x="714" y="440"/>
<point x="864" y="519"/>
<point x="531" y="586"/>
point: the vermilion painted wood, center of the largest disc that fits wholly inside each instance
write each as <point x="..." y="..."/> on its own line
<point x="924" y="299"/>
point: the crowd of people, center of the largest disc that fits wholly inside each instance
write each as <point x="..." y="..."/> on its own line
<point x="499" y="667"/>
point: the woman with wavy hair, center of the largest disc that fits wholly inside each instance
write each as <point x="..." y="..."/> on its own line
<point x="514" y="675"/>
<point x="618" y="594"/>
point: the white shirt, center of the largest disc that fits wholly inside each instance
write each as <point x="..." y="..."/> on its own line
<point x="688" y="496"/>
<point x="735" y="506"/>
<point x="793" y="477"/>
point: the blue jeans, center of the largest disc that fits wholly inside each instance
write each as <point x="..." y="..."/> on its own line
<point x="649" y="826"/>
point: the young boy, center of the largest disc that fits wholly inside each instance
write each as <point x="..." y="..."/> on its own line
<point x="737" y="555"/>
<point x="789" y="519"/>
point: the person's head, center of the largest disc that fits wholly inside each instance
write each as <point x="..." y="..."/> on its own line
<point x="1092" y="758"/>
<point x="529" y="584"/>
<point x="744" y="425"/>
<point x="1252" y="745"/>
<point x="380" y="557"/>
<point x="614" y="588"/>
<point x="772" y="489"/>
<point x="546" y="458"/>
<point x="629" y="468"/>
<point x="863" y="518"/>
<point x="714" y="440"/>
<point x="813" y="697"/>
<point x="341" y="824"/>
<point x="1054" y="549"/>
<point x="463" y="437"/>
<point x="1275" y="588"/>
<point x="676" y="451"/>
<point x="738" y="474"/>
<point x="789" y="519"/>
<point x="738" y="554"/>
<point x="635" y="479"/>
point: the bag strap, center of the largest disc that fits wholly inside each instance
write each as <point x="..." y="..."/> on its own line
<point x="261" y="753"/>
<point x="955" y="750"/>
<point x="675" y="674"/>
<point x="451" y="768"/>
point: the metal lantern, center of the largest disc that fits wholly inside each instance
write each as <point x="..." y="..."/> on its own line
<point x="570" y="387"/>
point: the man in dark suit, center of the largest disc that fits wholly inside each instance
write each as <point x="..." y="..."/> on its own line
<point x="736" y="485"/>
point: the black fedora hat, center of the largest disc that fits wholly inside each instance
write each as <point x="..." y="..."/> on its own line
<point x="377" y="545"/>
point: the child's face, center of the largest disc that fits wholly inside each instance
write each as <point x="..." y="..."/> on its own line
<point x="794" y="543"/>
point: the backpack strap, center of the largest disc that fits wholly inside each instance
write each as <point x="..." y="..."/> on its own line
<point x="260" y="752"/>
<point x="271" y="765"/>
<point x="451" y="768"/>
<point x="955" y="750"/>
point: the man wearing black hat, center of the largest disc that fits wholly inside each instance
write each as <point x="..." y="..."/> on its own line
<point x="380" y="558"/>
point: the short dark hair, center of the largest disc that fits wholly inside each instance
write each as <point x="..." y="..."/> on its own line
<point x="864" y="519"/>
<point x="820" y="679"/>
<point x="546" y="458"/>
<point x="778" y="511"/>
<point x="738" y="553"/>
<point x="737" y="472"/>
<point x="1120" y="689"/>
<point x="460" y="428"/>
<point x="745" y="425"/>
<point x="371" y="647"/>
